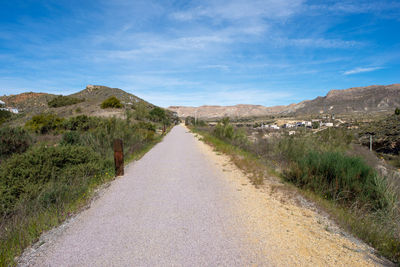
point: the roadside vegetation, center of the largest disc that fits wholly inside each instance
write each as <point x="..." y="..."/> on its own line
<point x="50" y="168"/>
<point x="328" y="169"/>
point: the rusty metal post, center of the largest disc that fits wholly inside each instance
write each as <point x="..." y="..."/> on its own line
<point x="118" y="157"/>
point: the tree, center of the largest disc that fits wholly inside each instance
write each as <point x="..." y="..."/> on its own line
<point x="157" y="114"/>
<point x="141" y="111"/>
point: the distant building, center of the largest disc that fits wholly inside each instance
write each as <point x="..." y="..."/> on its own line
<point x="288" y="125"/>
<point x="328" y="124"/>
<point x="2" y="103"/>
<point x="275" y="127"/>
<point x="13" y="110"/>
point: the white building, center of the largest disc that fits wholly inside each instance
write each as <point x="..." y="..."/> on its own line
<point x="328" y="124"/>
<point x="289" y="125"/>
<point x="2" y="103"/>
<point x="275" y="127"/>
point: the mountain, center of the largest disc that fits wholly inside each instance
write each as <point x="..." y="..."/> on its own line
<point x="93" y="95"/>
<point x="375" y="98"/>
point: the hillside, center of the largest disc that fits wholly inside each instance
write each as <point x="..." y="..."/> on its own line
<point x="93" y="95"/>
<point x="375" y="98"/>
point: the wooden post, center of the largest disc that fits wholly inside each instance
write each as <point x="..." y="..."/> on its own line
<point x="370" y="142"/>
<point x="163" y="130"/>
<point x="118" y="157"/>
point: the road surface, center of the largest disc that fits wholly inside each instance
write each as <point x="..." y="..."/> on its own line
<point x="179" y="206"/>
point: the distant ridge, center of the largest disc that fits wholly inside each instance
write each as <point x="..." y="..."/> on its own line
<point x="374" y="98"/>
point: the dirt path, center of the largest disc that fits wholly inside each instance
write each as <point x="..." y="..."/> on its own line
<point x="184" y="205"/>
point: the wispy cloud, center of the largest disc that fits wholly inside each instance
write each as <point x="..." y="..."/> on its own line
<point x="360" y="70"/>
<point x="198" y="51"/>
<point x="240" y="9"/>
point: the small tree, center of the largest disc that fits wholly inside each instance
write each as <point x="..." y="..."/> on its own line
<point x="397" y="111"/>
<point x="157" y="114"/>
<point x="111" y="102"/>
<point x="141" y="111"/>
<point x="315" y="124"/>
<point x="189" y="120"/>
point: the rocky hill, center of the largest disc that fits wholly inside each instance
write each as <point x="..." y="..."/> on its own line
<point x="92" y="96"/>
<point x="375" y="98"/>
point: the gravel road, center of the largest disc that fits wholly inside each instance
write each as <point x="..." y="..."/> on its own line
<point x="172" y="208"/>
<point x="184" y="205"/>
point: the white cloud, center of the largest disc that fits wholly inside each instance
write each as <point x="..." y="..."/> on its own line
<point x="216" y="66"/>
<point x="316" y="42"/>
<point x="240" y="9"/>
<point x="360" y="70"/>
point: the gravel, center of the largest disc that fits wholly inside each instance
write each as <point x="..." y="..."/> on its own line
<point x="173" y="207"/>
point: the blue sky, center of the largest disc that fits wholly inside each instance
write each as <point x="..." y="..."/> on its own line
<point x="269" y="52"/>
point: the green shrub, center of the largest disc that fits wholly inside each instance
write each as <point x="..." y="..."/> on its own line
<point x="5" y="115"/>
<point x="25" y="176"/>
<point x="79" y="123"/>
<point x="111" y="102"/>
<point x="141" y="111"/>
<point x="397" y="111"/>
<point x="224" y="129"/>
<point x="61" y="101"/>
<point x="71" y="138"/>
<point x="145" y="125"/>
<point x="189" y="120"/>
<point x="44" y="123"/>
<point x="157" y="114"/>
<point x="344" y="179"/>
<point x="13" y="140"/>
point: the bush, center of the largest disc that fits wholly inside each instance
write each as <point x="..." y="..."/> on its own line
<point x="145" y="125"/>
<point x="189" y="120"/>
<point x="26" y="176"/>
<point x="4" y="116"/>
<point x="13" y="140"/>
<point x="71" y="138"/>
<point x="224" y="129"/>
<point x="157" y="114"/>
<point x="397" y="111"/>
<point x="79" y="123"/>
<point x="111" y="102"/>
<point x="344" y="179"/>
<point x="141" y="111"/>
<point x="44" y="123"/>
<point x="61" y="101"/>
